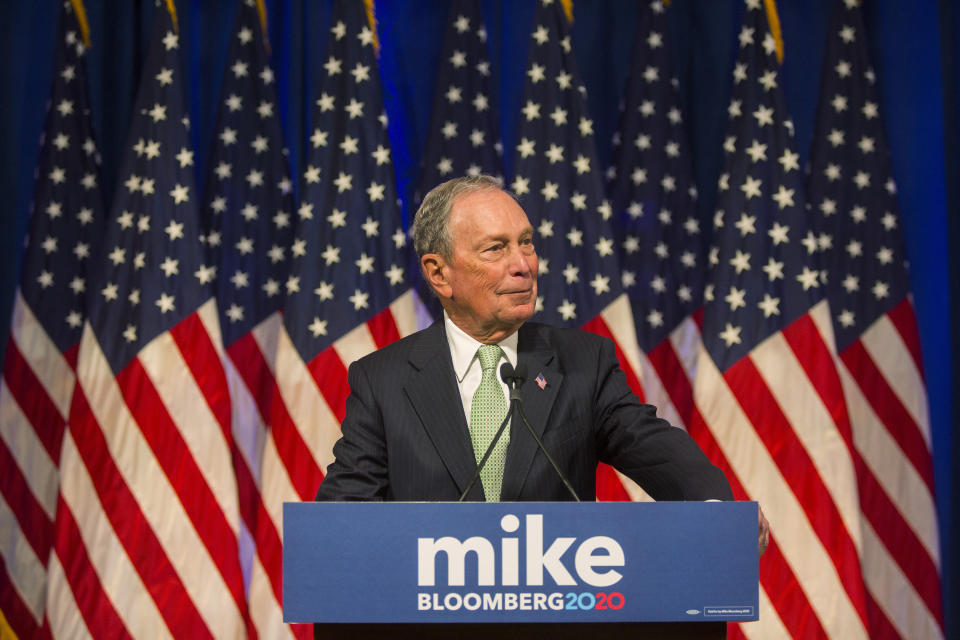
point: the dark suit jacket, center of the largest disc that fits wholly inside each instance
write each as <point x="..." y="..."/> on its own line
<point x="405" y="436"/>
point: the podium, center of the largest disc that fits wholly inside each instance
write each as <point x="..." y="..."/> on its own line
<point x="559" y="569"/>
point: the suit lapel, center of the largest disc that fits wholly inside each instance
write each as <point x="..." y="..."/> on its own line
<point x="539" y="357"/>
<point x="435" y="397"/>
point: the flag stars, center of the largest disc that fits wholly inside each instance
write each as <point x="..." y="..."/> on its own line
<point x="180" y="194"/>
<point x="325" y="102"/>
<point x="324" y="291"/>
<point x="318" y="327"/>
<point x="359" y="299"/>
<point x="399" y="238"/>
<point x="736" y="298"/>
<point x="851" y="283"/>
<point x="375" y="191"/>
<point x="835" y="137"/>
<point x="571" y="273"/>
<point x="381" y="155"/>
<point x="454" y="94"/>
<point x="789" y="160"/>
<point x="240" y="279"/>
<point x="299" y="248"/>
<point x="847" y="34"/>
<point x="768" y="80"/>
<point x="531" y="110"/>
<point x="839" y="103"/>
<point x="809" y="278"/>
<point x="205" y="274"/>
<point x="331" y="255"/>
<point x="862" y="179"/>
<point x="661" y="250"/>
<point x="58" y="175"/>
<point x="174" y="230"/>
<point x="751" y="187"/>
<point x="604" y="247"/>
<point x="559" y="116"/>
<point x="769" y="305"/>
<point x="549" y="191"/>
<point x="354" y="108"/>
<point x="854" y="248"/>
<point x="658" y="284"/>
<point x="165" y="303"/>
<point x="773" y="269"/>
<point x="78" y="285"/>
<point x="360" y="73"/>
<point x="312" y="174"/>
<point x="740" y="262"/>
<point x="880" y="290"/>
<point x="651" y="74"/>
<point x="293" y="285"/>
<point x="885" y="255"/>
<point x="585" y="126"/>
<point x="567" y="310"/>
<point x="832" y="172"/>
<point x="846" y="318"/>
<point x="866" y="145"/>
<point x="476" y="137"/>
<point x="244" y="245"/>
<point x="394" y="274"/>
<point x="157" y="113"/>
<point x="870" y="110"/>
<point x="74" y="319"/>
<point x="730" y="335"/>
<point x="344" y="182"/>
<point x="600" y="284"/>
<point x="371" y="227"/>
<point x="746" y="224"/>
<point x="118" y="256"/>
<point x="783" y="197"/>
<point x="764" y="116"/>
<point x="582" y="164"/>
<point x="655" y="318"/>
<point x="858" y="213"/>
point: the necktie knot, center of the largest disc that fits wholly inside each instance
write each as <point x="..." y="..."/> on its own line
<point x="489" y="356"/>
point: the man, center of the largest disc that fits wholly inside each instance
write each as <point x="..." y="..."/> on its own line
<point x="423" y="411"/>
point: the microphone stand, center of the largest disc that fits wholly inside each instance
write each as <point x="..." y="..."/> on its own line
<point x="515" y="378"/>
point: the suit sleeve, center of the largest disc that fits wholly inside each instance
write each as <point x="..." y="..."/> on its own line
<point x="359" y="471"/>
<point x="661" y="458"/>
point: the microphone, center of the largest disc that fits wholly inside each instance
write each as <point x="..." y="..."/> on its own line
<point x="515" y="377"/>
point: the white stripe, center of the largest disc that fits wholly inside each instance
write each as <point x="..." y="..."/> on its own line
<point x="656" y="394"/>
<point x="813" y="424"/>
<point x="249" y="430"/>
<point x="171" y="377"/>
<point x="316" y="423"/>
<point x="65" y="614"/>
<point x="761" y="478"/>
<point x="160" y="504"/>
<point x="33" y="461"/>
<point x="276" y="488"/>
<point x="27" y="573"/>
<point x="210" y="319"/>
<point x="686" y="341"/>
<point x="43" y="356"/>
<point x="406" y="309"/>
<point x="619" y="319"/>
<point x="266" y="335"/>
<point x="116" y="573"/>
<point x="355" y="344"/>
<point x="265" y="611"/>
<point x="886" y="347"/>
<point x="769" y="626"/>
<point x="883" y="456"/>
<point x="893" y="591"/>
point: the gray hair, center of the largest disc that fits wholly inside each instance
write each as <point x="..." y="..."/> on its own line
<point x="431" y="233"/>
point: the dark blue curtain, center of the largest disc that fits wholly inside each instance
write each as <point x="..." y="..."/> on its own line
<point x="914" y="48"/>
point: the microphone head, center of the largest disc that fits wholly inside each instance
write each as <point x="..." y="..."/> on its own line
<point x="506" y="372"/>
<point x="520" y="373"/>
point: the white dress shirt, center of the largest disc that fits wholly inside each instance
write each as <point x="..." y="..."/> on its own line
<point x="466" y="365"/>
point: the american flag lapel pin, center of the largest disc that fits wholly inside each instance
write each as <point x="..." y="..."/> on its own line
<point x="541" y="381"/>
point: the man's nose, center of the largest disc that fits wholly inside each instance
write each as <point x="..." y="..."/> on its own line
<point x="520" y="264"/>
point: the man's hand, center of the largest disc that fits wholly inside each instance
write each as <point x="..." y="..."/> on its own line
<point x="764" y="532"/>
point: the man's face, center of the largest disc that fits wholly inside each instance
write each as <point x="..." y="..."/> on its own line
<point x="491" y="278"/>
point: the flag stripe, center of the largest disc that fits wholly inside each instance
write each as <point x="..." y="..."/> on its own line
<point x="187" y="479"/>
<point x="330" y="375"/>
<point x="741" y="443"/>
<point x="38" y="408"/>
<point x="312" y="416"/>
<point x="383" y="328"/>
<point x="24" y="511"/>
<point x="800" y="472"/>
<point x="888" y="408"/>
<point x="23" y="582"/>
<point x="664" y="360"/>
<point x="204" y="360"/>
<point x="905" y="321"/>
<point x="902" y="607"/>
<point x="43" y="357"/>
<point x="888" y="353"/>
<point x="30" y="459"/>
<point x="790" y="603"/>
<point x="900" y="542"/>
<point x="67" y="615"/>
<point x="97" y="611"/>
<point x="129" y="524"/>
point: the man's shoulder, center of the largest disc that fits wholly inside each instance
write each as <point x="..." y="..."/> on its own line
<point x="566" y="342"/>
<point x="407" y="348"/>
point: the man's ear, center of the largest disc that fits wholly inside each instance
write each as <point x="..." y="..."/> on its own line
<point x="434" y="267"/>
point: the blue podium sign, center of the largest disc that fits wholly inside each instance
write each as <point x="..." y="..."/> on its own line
<point x="519" y="562"/>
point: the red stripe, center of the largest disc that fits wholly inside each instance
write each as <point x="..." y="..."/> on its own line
<point x="905" y="321"/>
<point x="609" y="486"/>
<point x="330" y="374"/>
<point x="178" y="464"/>
<point x="202" y="359"/>
<point x="39" y="410"/>
<point x="901" y="542"/>
<point x="14" y="609"/>
<point x="94" y="604"/>
<point x="815" y="358"/>
<point x="776" y="576"/>
<point x="32" y="519"/>
<point x="880" y="626"/>
<point x="790" y="456"/>
<point x="599" y="327"/>
<point x="664" y="360"/>
<point x="383" y="328"/>
<point x="698" y="319"/>
<point x="305" y="474"/>
<point x="891" y="412"/>
<point x="131" y="527"/>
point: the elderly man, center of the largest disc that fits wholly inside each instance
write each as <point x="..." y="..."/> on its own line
<point x="423" y="411"/>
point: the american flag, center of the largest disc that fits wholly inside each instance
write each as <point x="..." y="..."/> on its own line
<point x="769" y="406"/>
<point x="853" y="204"/>
<point x="463" y="139"/>
<point x="561" y="189"/>
<point x="147" y="523"/>
<point x="48" y="315"/>
<point x="650" y="185"/>
<point x="349" y="291"/>
<point x="249" y="213"/>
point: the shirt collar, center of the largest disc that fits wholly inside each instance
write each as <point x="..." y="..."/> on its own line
<point x="463" y="348"/>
